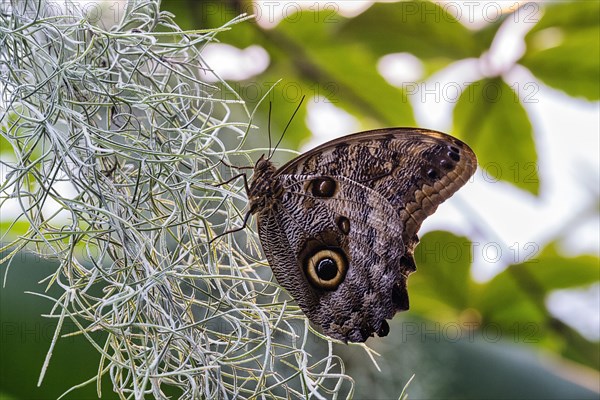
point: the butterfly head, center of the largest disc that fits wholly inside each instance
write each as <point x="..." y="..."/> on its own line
<point x="263" y="164"/>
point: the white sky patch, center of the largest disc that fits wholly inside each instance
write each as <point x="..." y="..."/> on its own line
<point x="579" y="308"/>
<point x="400" y="68"/>
<point x="583" y="238"/>
<point x="326" y="121"/>
<point x="233" y="64"/>
<point x="433" y="100"/>
<point x="53" y="211"/>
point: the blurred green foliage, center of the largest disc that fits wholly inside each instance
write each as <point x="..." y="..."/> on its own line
<point x="321" y="52"/>
<point x="26" y="336"/>
<point x="572" y="61"/>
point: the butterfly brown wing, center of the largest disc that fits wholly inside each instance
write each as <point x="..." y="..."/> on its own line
<point x="414" y="169"/>
<point x="358" y="202"/>
<point x="354" y="226"/>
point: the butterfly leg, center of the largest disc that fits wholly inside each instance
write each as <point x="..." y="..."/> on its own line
<point x="243" y="175"/>
<point x="246" y="218"/>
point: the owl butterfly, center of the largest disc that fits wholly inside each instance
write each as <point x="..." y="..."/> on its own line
<point x="339" y="223"/>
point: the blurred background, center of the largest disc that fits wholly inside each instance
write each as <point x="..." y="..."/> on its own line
<point x="505" y="302"/>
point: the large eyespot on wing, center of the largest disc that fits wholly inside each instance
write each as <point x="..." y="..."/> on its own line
<point x="324" y="266"/>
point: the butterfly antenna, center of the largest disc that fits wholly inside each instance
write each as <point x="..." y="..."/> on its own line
<point x="287" y="126"/>
<point x="269" y="130"/>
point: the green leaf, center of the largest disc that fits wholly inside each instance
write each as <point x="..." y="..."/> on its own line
<point x="491" y="119"/>
<point x="441" y="287"/>
<point x="505" y="300"/>
<point x="422" y="28"/>
<point x="550" y="270"/>
<point x="573" y="66"/>
<point x="563" y="49"/>
<point x="573" y="15"/>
